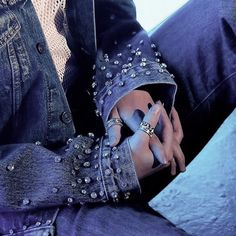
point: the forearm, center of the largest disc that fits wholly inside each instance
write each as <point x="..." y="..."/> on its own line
<point x="83" y="171"/>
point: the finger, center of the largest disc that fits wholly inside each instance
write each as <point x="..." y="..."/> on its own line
<point x="179" y="157"/>
<point x="178" y="130"/>
<point x="167" y="134"/>
<point x="158" y="149"/>
<point x="173" y="166"/>
<point x="151" y="117"/>
<point x="114" y="132"/>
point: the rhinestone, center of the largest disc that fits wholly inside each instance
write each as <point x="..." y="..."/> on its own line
<point x="141" y="42"/>
<point x="79" y="181"/>
<point x="38" y="223"/>
<point x="114" y="195"/>
<point x="94" y="66"/>
<point x="129" y="46"/>
<point x="87" y="164"/>
<point x="94" y="84"/>
<point x="73" y="185"/>
<point x="106" y="60"/>
<point x="70" y="140"/>
<point x="88" y="151"/>
<point x="129" y="64"/>
<point x="97" y="147"/>
<point x="83" y="191"/>
<point x="127" y="195"/>
<point x="163" y="65"/>
<point x="116" y="62"/>
<point x="108" y="82"/>
<point x="138" y="53"/>
<point x="153" y="46"/>
<point x="73" y="172"/>
<point x="93" y="195"/>
<point x="133" y="75"/>
<point x="157" y="54"/>
<point x="125" y="66"/>
<point x="114" y="149"/>
<point x="70" y="200"/>
<point x="144" y="59"/>
<point x="161" y="70"/>
<point x="95" y="156"/>
<point x="130" y="59"/>
<point x="148" y="72"/>
<point x="107" y="172"/>
<point x="105" y="155"/>
<point x="124" y="71"/>
<point x="101" y="101"/>
<point x="103" y="68"/>
<point x="10" y="167"/>
<point x="80" y="157"/>
<point x="76" y="146"/>
<point x="108" y="75"/>
<point x="172" y="76"/>
<point x="101" y="193"/>
<point x="55" y="190"/>
<point x="143" y="64"/>
<point x="38" y="143"/>
<point x="97" y="112"/>
<point x="124" y="185"/>
<point x="119" y="54"/>
<point x="95" y="94"/>
<point x="26" y="201"/>
<point x="99" y="178"/>
<point x="121" y="83"/>
<point x="96" y="166"/>
<point x="58" y="159"/>
<point x="11" y="231"/>
<point x="109" y="92"/>
<point x="87" y="180"/>
<point x="118" y="170"/>
<point x="133" y="51"/>
<point x="105" y="55"/>
<point x="48" y="222"/>
<point x="91" y="135"/>
<point x="24" y="227"/>
<point x="157" y="60"/>
<point x="107" y="143"/>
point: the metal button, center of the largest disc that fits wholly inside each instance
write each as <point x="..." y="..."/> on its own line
<point x="66" y="117"/>
<point x="40" y="48"/>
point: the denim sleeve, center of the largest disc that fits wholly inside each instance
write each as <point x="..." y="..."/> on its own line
<point x="126" y="59"/>
<point x="84" y="171"/>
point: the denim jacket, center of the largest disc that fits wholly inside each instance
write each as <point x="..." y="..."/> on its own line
<point x="45" y="162"/>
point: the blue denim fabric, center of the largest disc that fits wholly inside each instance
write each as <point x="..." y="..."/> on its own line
<point x="198" y="43"/>
<point x="43" y="163"/>
<point x="122" y="220"/>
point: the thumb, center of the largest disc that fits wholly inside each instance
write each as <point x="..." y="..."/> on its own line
<point x="114" y="125"/>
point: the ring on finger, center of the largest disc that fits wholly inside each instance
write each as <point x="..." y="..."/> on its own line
<point x="147" y="128"/>
<point x="114" y="121"/>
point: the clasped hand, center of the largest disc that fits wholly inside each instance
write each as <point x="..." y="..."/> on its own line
<point x="150" y="154"/>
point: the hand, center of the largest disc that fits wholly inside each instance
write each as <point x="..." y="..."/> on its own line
<point x="131" y="110"/>
<point x="140" y="142"/>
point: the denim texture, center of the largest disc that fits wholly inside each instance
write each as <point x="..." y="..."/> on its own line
<point x="44" y="163"/>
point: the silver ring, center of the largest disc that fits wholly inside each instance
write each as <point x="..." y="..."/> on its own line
<point x="114" y="121"/>
<point x="147" y="128"/>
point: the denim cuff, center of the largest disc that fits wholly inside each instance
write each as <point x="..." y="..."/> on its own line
<point x="118" y="173"/>
<point x="152" y="74"/>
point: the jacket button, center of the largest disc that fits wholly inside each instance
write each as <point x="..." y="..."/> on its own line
<point x="66" y="117"/>
<point x="40" y="48"/>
